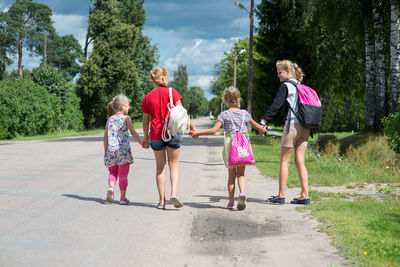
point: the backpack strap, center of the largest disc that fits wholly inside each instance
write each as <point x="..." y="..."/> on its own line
<point x="170" y="97"/>
<point x="233" y="124"/>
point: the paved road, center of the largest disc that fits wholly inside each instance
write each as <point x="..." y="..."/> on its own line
<point x="53" y="212"/>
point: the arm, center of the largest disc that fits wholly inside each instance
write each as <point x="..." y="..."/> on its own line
<point x="146" y="121"/>
<point x="213" y="130"/>
<point x="276" y="104"/>
<point x="135" y="135"/>
<point x="261" y="130"/>
<point x="105" y="138"/>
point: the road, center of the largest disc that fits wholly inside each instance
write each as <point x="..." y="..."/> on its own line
<point x="53" y="212"/>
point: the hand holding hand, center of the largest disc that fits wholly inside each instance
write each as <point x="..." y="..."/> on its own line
<point x="263" y="130"/>
<point x="146" y="143"/>
<point x="194" y="134"/>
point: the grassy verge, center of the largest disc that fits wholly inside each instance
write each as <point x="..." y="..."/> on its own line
<point x="371" y="161"/>
<point x="366" y="230"/>
<point x="137" y="125"/>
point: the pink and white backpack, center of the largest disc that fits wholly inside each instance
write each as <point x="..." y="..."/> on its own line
<point x="309" y="111"/>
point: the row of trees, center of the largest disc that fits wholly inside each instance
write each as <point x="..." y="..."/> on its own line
<point x="348" y="49"/>
<point x="120" y="62"/>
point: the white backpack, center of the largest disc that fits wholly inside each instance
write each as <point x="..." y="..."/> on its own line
<point x="176" y="122"/>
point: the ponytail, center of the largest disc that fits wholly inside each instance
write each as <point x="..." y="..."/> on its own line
<point x="294" y="69"/>
<point x="156" y="74"/>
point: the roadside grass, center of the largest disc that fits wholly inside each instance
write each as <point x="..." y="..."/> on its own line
<point x="352" y="158"/>
<point x="366" y="230"/>
<point x="62" y="134"/>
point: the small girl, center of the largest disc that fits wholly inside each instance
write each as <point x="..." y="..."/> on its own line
<point x="117" y="150"/>
<point x="233" y="115"/>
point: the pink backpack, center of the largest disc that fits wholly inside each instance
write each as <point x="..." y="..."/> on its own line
<point x="240" y="152"/>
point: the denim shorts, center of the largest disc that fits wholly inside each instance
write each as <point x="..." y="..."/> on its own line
<point x="159" y="144"/>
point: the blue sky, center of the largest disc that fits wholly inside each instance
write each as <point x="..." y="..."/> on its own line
<point x="195" y="33"/>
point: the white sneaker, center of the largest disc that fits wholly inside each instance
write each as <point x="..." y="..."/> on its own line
<point x="242" y="201"/>
<point x="110" y="195"/>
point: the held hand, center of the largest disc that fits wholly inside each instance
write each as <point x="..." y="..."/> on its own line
<point x="263" y="130"/>
<point x="146" y="143"/>
<point x="193" y="134"/>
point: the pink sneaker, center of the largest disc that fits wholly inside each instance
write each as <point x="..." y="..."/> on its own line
<point x="231" y="206"/>
<point x="124" y="201"/>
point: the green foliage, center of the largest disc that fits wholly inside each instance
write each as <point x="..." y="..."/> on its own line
<point x="27" y="109"/>
<point x="26" y="21"/>
<point x="196" y="102"/>
<point x="329" y="50"/>
<point x="63" y="53"/>
<point x="180" y="82"/>
<point x="48" y="77"/>
<point x="120" y="61"/>
<point x="392" y="130"/>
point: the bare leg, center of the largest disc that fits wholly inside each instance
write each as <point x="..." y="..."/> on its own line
<point x="231" y="184"/>
<point x="299" y="155"/>
<point x="241" y="179"/>
<point x="286" y="153"/>
<point x="160" y="174"/>
<point x="173" y="164"/>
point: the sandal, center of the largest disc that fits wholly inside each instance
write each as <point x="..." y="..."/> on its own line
<point x="160" y="207"/>
<point x="242" y="201"/>
<point x="275" y="200"/>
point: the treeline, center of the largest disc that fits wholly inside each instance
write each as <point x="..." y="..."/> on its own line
<point x="71" y="84"/>
<point x="348" y="49"/>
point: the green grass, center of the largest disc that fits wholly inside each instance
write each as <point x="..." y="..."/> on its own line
<point x="369" y="161"/>
<point x="136" y="125"/>
<point x="366" y="230"/>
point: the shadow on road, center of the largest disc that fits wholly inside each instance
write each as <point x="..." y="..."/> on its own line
<point x="93" y="199"/>
<point x="216" y="199"/>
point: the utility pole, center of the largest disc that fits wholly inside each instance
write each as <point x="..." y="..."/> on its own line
<point x="234" y="69"/>
<point x="250" y="84"/>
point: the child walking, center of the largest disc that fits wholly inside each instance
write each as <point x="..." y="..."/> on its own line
<point x="232" y="119"/>
<point x="117" y="150"/>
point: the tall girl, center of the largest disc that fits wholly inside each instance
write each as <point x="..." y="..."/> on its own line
<point x="295" y="136"/>
<point x="232" y="119"/>
<point x="117" y="150"/>
<point x="154" y="108"/>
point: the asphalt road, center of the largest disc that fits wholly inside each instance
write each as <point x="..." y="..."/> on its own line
<point x="53" y="212"/>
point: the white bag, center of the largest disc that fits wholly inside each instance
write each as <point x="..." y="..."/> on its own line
<point x="176" y="122"/>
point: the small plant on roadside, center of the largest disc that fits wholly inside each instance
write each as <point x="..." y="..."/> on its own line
<point x="391" y="125"/>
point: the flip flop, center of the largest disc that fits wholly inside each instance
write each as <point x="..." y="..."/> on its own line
<point x="177" y="203"/>
<point x="160" y="207"/>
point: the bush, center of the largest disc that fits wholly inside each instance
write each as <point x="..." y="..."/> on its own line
<point x="27" y="109"/>
<point x="391" y="125"/>
<point x="55" y="83"/>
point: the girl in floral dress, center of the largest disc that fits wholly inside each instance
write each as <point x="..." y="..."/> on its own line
<point x="117" y="150"/>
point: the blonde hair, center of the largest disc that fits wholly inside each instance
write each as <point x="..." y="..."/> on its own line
<point x="294" y="69"/>
<point x="232" y="97"/>
<point x="116" y="104"/>
<point x="157" y="73"/>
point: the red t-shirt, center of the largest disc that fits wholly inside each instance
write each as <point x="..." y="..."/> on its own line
<point x="155" y="104"/>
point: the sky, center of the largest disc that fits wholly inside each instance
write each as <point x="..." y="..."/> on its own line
<point x="195" y="33"/>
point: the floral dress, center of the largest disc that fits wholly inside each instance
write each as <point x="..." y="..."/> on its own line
<point x="118" y="150"/>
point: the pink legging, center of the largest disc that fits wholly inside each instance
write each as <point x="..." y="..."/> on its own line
<point x="122" y="172"/>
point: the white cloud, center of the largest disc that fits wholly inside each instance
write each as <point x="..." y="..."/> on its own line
<point x="71" y="24"/>
<point x="202" y="81"/>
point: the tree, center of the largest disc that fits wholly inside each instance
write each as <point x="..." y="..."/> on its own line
<point x="25" y="22"/>
<point x="196" y="103"/>
<point x="63" y="52"/>
<point x="110" y="68"/>
<point x="394" y="55"/>
<point x="180" y="82"/>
